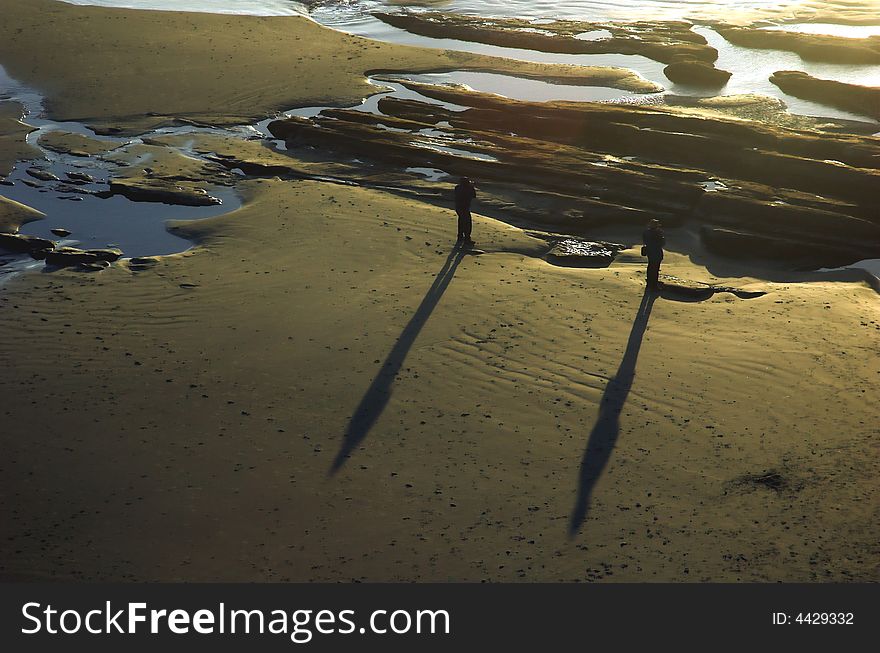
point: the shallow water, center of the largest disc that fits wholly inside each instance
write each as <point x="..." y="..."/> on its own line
<point x="571" y="9"/>
<point x="594" y="35"/>
<point x="530" y="90"/>
<point x="436" y="139"/>
<point x="830" y="29"/>
<point x="870" y="266"/>
<point x="431" y="174"/>
<point x="137" y="228"/>
<point x="240" y="7"/>
<point x="589" y="9"/>
<point x="352" y="21"/>
<point x="751" y="68"/>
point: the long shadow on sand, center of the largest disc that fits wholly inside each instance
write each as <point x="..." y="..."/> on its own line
<point x="376" y="398"/>
<point x="604" y="434"/>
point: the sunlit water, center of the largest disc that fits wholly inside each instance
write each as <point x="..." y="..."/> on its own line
<point x="751" y="68"/>
<point x="240" y="7"/>
<point x="630" y="10"/>
<point x="354" y="21"/>
<point x="137" y="228"/>
<point x="531" y="90"/>
<point x="592" y="9"/>
<point x="829" y="29"/>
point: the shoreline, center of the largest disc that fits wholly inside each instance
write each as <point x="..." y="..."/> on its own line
<point x="260" y="72"/>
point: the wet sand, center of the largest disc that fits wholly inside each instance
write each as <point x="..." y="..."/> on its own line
<point x="189" y="417"/>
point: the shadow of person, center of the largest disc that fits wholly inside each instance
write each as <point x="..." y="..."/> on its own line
<point x="678" y="293"/>
<point x="604" y="434"/>
<point x="376" y="398"/>
<point x="696" y="293"/>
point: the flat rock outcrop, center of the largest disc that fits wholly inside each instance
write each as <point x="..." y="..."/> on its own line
<point x="22" y="244"/>
<point x="800" y="253"/>
<point x="664" y="41"/>
<point x="71" y="256"/>
<point x="76" y="144"/>
<point x="864" y="100"/>
<point x="812" y="47"/>
<point x="573" y="167"/>
<point x="41" y="174"/>
<point x="161" y="191"/>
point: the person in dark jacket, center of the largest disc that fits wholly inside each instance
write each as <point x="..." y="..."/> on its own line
<point x="654" y="240"/>
<point x="464" y="195"/>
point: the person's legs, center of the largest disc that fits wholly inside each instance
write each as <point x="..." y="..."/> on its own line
<point x="462" y="217"/>
<point x="653" y="274"/>
<point x="468" y="225"/>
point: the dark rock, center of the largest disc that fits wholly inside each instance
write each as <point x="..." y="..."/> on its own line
<point x="67" y="188"/>
<point x="166" y="193"/>
<point x="97" y="266"/>
<point x="583" y="253"/>
<point x="663" y="41"/>
<point x="744" y="245"/>
<point x="696" y="73"/>
<point x="81" y="177"/>
<point x="109" y="254"/>
<point x="42" y="175"/>
<point x="60" y="231"/>
<point x="801" y="198"/>
<point x="67" y="256"/>
<point x="24" y="244"/>
<point x="681" y="289"/>
<point x="413" y="111"/>
<point x="799" y="222"/>
<point x="143" y="262"/>
<point x="40" y="254"/>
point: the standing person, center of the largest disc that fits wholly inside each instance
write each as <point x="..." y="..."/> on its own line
<point x="653" y="240"/>
<point x="464" y="195"/>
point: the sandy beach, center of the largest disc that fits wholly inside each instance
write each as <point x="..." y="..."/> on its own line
<point x="324" y="388"/>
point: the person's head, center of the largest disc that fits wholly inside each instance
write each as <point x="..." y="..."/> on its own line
<point x="464" y="181"/>
<point x="654" y="224"/>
